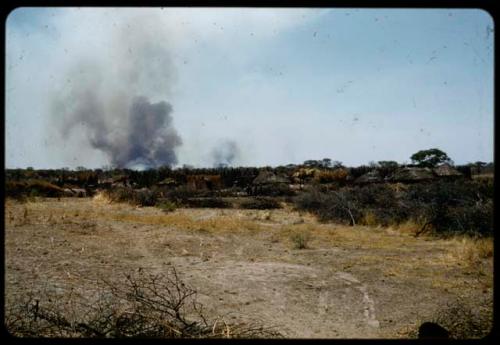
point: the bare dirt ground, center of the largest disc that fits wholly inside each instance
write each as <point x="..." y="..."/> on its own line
<point x="350" y="282"/>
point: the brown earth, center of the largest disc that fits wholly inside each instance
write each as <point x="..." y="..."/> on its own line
<point x="349" y="282"/>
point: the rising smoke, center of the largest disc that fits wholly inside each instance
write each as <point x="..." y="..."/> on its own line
<point x="116" y="97"/>
<point x="225" y="153"/>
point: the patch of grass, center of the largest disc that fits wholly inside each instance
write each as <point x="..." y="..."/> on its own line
<point x="472" y="251"/>
<point x="167" y="206"/>
<point x="300" y="239"/>
<point x="409" y="226"/>
<point x="369" y="218"/>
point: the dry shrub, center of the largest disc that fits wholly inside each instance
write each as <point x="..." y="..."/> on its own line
<point x="260" y="203"/>
<point x="369" y="218"/>
<point x="409" y="226"/>
<point x="32" y="187"/>
<point x="145" y="197"/>
<point x="102" y="197"/>
<point x="181" y="194"/>
<point x="141" y="197"/>
<point x="207" y="203"/>
<point x="300" y="239"/>
<point x="167" y="206"/>
<point x="142" y="306"/>
<point x="327" y="176"/>
<point x="442" y="208"/>
<point x="473" y="250"/>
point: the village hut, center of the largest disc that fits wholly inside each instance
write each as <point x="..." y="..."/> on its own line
<point x="447" y="171"/>
<point x="75" y="192"/>
<point x="412" y="174"/>
<point x="168" y="182"/>
<point x="304" y="174"/>
<point x="79" y="192"/>
<point x="207" y="182"/>
<point x="373" y="176"/>
<point x="269" y="183"/>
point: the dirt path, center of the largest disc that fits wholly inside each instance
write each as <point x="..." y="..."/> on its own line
<point x="350" y="282"/>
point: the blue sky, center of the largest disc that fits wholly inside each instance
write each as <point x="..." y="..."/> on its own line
<point x="286" y="85"/>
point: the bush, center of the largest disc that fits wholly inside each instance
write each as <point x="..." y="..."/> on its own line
<point x="272" y="189"/>
<point x="464" y="207"/>
<point x="141" y="197"/>
<point x="328" y="176"/>
<point x="32" y="188"/>
<point x="333" y="206"/>
<point x="447" y="207"/>
<point x="145" y="197"/>
<point x="142" y="306"/>
<point x="181" y="194"/>
<point x="300" y="240"/>
<point x="167" y="206"/>
<point x="120" y="194"/>
<point x="260" y="203"/>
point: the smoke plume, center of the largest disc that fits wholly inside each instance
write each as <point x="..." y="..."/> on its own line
<point x="225" y="153"/>
<point x="115" y="97"/>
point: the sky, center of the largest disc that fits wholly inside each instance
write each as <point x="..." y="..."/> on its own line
<point x="245" y="86"/>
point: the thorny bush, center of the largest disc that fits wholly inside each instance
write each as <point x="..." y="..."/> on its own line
<point x="446" y="207"/>
<point x="142" y="306"/>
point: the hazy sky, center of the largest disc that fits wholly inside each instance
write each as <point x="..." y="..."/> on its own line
<point x="277" y="85"/>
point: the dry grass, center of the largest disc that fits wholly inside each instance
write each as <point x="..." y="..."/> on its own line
<point x="301" y="239"/>
<point x="85" y="238"/>
<point x="409" y="227"/>
<point x="471" y="251"/>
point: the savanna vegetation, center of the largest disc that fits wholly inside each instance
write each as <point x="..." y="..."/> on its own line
<point x="431" y="197"/>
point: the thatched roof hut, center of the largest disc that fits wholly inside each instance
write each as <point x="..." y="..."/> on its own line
<point x="268" y="177"/>
<point x="412" y="174"/>
<point x="168" y="182"/>
<point x="370" y="177"/>
<point x="446" y="170"/>
<point x="268" y="183"/>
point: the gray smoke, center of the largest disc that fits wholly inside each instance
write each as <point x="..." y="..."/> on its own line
<point x="225" y="153"/>
<point x="148" y="139"/>
<point x="107" y="98"/>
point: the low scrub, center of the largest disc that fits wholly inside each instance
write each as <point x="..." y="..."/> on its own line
<point x="181" y="194"/>
<point x="441" y="207"/>
<point x="300" y="239"/>
<point x="167" y="206"/>
<point x="141" y="197"/>
<point x="261" y="203"/>
<point x="273" y="189"/>
<point x="207" y="203"/>
<point x="32" y="188"/>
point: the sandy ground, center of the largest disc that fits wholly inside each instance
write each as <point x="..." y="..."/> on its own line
<point x="350" y="282"/>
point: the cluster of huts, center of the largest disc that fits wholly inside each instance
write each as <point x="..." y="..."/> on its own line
<point x="268" y="181"/>
<point x="411" y="174"/>
<point x="297" y="180"/>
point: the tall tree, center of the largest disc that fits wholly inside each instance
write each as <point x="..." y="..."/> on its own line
<point x="430" y="158"/>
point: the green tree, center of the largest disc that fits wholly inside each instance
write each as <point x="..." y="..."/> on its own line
<point x="387" y="168"/>
<point x="388" y="164"/>
<point x="326" y="162"/>
<point x="479" y="166"/>
<point x="430" y="158"/>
